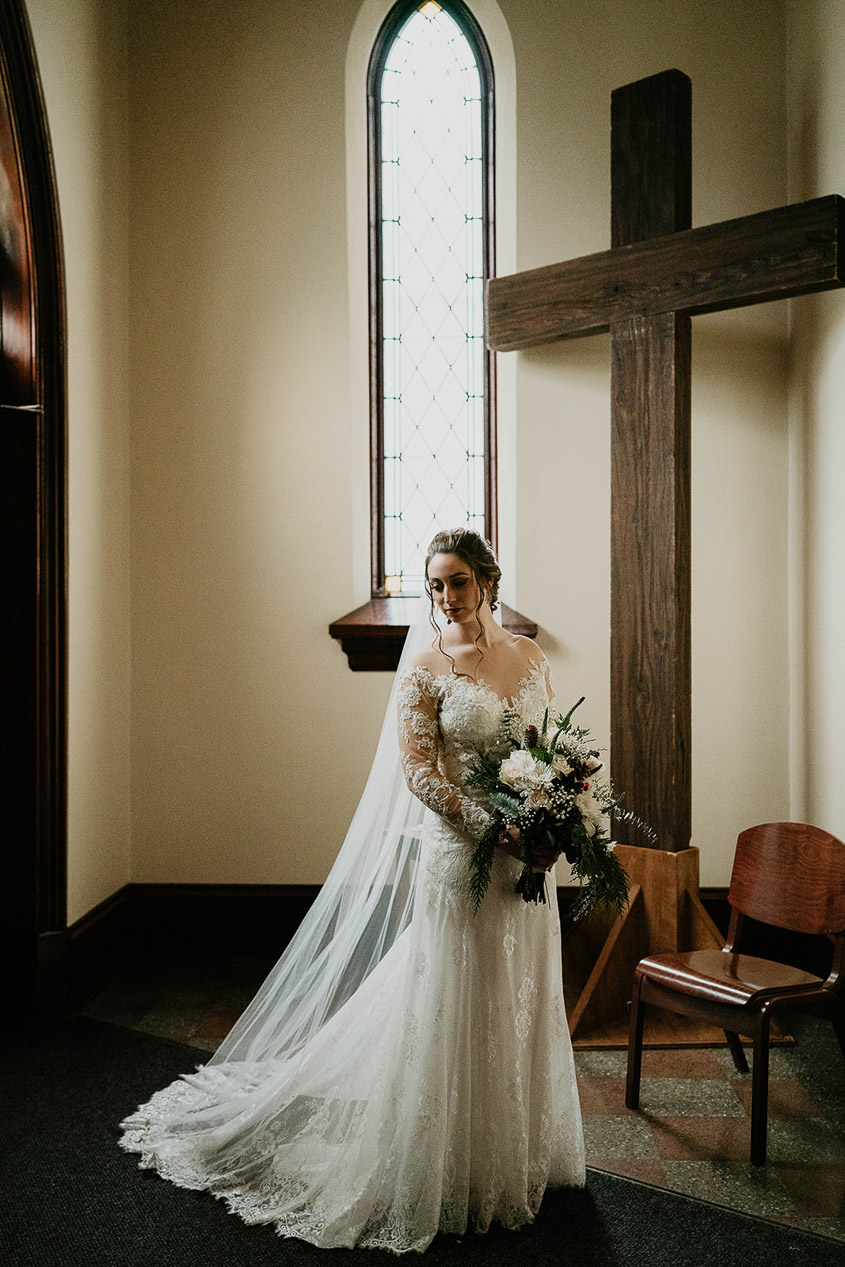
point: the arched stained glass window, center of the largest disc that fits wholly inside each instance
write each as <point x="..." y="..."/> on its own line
<point x="430" y="97"/>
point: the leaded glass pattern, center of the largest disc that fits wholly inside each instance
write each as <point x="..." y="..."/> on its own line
<point x="430" y="165"/>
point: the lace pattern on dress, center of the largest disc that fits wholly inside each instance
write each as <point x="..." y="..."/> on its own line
<point x="339" y="1145"/>
<point x="440" y="720"/>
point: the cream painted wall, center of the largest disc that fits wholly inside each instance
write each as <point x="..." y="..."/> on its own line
<point x="243" y="436"/>
<point x="226" y="176"/>
<point x="81" y="50"/>
<point x="817" y="167"/>
<point x="251" y="738"/>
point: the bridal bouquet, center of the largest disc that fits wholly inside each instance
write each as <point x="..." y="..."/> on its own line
<point x="548" y="787"/>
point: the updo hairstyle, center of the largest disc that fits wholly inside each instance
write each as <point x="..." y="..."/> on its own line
<point x="475" y="552"/>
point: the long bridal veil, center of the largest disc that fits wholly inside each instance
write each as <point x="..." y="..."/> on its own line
<point x="363" y="907"/>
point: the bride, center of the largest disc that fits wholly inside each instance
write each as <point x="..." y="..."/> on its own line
<point x="406" y="1068"/>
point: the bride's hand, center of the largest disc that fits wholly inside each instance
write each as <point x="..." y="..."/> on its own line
<point x="510" y="840"/>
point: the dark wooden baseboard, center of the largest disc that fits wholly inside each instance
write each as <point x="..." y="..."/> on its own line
<point x="210" y="921"/>
<point x="96" y="947"/>
<point x="256" y="921"/>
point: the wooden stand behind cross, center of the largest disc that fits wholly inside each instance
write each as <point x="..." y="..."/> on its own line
<point x="657" y="275"/>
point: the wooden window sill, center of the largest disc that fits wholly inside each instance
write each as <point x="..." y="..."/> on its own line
<point x="373" y="634"/>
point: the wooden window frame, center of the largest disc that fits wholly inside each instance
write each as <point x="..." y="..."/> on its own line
<point x="392" y="24"/>
<point x="372" y="635"/>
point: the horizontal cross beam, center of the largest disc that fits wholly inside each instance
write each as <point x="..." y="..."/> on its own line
<point x="793" y="250"/>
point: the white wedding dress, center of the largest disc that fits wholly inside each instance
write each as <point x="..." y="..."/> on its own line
<point x="442" y="1094"/>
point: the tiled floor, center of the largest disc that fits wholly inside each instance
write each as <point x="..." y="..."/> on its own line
<point x="691" y="1133"/>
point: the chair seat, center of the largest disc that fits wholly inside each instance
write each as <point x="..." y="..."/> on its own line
<point x="720" y="977"/>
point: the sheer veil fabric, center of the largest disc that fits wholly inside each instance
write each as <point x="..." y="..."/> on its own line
<point x="364" y="905"/>
<point x="406" y="1067"/>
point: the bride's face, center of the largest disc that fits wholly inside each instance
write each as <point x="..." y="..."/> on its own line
<point x="453" y="587"/>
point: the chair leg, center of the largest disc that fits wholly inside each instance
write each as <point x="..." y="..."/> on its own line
<point x="838" y="1019"/>
<point x="760" y="1090"/>
<point x="635" y="1046"/>
<point x="736" y="1050"/>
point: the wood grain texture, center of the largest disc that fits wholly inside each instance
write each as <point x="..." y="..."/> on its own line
<point x="790" y="875"/>
<point x="651" y="144"/>
<point x="650" y="574"/>
<point x="17" y="327"/>
<point x="651" y="158"/>
<point x="792" y="250"/>
<point x="600" y="954"/>
<point x="373" y="634"/>
<point x="726" y="978"/>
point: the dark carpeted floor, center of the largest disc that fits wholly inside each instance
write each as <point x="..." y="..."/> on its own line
<point x="70" y="1196"/>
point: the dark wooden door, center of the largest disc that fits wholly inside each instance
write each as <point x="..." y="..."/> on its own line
<point x="32" y="538"/>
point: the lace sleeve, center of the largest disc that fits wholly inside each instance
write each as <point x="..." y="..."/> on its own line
<point x="419" y="743"/>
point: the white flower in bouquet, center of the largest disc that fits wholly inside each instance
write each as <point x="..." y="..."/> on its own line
<point x="537" y="799"/>
<point x="591" y="814"/>
<point x="521" y="772"/>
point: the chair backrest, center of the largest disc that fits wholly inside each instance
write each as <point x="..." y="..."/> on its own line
<point x="790" y="875"/>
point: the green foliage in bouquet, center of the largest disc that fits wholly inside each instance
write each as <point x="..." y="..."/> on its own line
<point x="602" y="880"/>
<point x="547" y="786"/>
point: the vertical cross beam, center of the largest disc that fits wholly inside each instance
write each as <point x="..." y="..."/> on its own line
<point x="651" y="194"/>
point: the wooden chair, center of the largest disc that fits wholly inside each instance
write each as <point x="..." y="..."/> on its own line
<point x="787" y="875"/>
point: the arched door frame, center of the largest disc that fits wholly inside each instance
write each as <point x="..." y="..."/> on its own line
<point x="33" y="726"/>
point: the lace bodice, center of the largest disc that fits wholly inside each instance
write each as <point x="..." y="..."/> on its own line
<point x="441" y="721"/>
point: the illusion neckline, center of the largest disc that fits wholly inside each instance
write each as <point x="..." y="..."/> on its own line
<point x="509" y="701"/>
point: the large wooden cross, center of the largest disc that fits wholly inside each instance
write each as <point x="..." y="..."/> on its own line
<point x="657" y="275"/>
